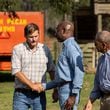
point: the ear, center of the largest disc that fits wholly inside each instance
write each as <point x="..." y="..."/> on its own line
<point x="105" y="46"/>
<point x="63" y="31"/>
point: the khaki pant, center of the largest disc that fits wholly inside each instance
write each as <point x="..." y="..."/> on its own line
<point x="105" y="102"/>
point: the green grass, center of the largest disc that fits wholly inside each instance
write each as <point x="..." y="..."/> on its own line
<point x="87" y="86"/>
<point x="6" y="95"/>
<point x="6" y="91"/>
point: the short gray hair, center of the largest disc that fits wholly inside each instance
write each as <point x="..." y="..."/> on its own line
<point x="103" y="36"/>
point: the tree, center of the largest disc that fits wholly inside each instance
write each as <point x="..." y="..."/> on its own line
<point x="67" y="7"/>
<point x="8" y="7"/>
<point x="64" y="7"/>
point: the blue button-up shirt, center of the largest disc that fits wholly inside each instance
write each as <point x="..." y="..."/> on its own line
<point x="102" y="77"/>
<point x="69" y="70"/>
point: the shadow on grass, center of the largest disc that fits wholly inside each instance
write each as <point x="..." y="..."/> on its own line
<point x="6" y="77"/>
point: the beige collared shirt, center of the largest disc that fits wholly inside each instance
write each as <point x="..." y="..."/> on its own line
<point x="33" y="64"/>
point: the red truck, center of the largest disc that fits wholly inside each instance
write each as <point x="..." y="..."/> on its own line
<point x="12" y="33"/>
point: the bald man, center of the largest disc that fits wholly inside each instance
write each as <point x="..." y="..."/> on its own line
<point x="69" y="68"/>
<point x="101" y="87"/>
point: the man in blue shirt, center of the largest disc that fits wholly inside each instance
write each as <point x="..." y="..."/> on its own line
<point x="69" y="68"/>
<point x="102" y="78"/>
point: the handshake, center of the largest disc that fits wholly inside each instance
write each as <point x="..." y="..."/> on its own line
<point x="37" y="87"/>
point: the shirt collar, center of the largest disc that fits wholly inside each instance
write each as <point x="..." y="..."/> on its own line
<point x="68" y="40"/>
<point x="108" y="52"/>
<point x="27" y="46"/>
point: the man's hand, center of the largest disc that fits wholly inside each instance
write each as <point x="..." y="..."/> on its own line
<point x="37" y="87"/>
<point x="69" y="103"/>
<point x="55" y="95"/>
<point x="88" y="106"/>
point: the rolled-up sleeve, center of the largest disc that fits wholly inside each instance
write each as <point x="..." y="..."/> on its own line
<point x="15" y="61"/>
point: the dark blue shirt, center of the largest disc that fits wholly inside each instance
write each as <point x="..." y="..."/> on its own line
<point x="102" y="78"/>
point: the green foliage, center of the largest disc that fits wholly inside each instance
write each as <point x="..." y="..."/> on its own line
<point x="85" y="3"/>
<point x="62" y="6"/>
<point x="67" y="6"/>
<point x="40" y="5"/>
<point x="58" y="8"/>
<point x="9" y="5"/>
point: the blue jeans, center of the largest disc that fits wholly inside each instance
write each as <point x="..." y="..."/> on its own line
<point x="64" y="92"/>
<point x="29" y="99"/>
